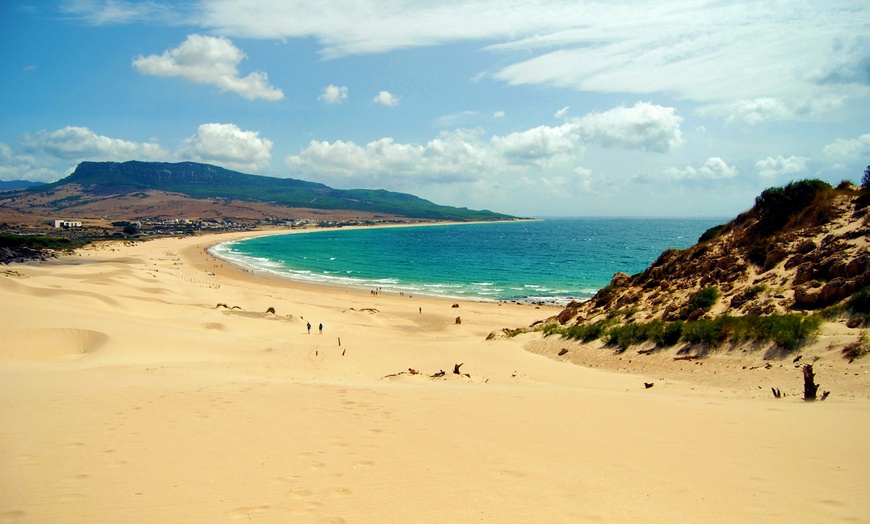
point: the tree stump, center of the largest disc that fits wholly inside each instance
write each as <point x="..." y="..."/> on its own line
<point x="810" y="386"/>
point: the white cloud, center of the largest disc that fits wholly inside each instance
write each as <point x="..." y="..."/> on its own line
<point x="498" y="115"/>
<point x="453" y="156"/>
<point x="540" y="145"/>
<point x="228" y="146"/>
<point x="643" y="126"/>
<point x="80" y="143"/>
<point x="209" y="60"/>
<point x="562" y="112"/>
<point x="465" y="154"/>
<point x="713" y="168"/>
<point x="742" y="60"/>
<point x="121" y="11"/>
<point x="844" y="149"/>
<point x="333" y="94"/>
<point x="385" y="98"/>
<point x="781" y="166"/>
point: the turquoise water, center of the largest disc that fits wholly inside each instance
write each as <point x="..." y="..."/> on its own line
<point x="555" y="260"/>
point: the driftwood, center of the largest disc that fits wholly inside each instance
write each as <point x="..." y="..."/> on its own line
<point x="649" y="351"/>
<point x="687" y="357"/>
<point x="562" y="351"/>
<point x="648" y="385"/>
<point x="776" y="393"/>
<point x="458" y="320"/>
<point x="456" y="368"/>
<point x="439" y="374"/>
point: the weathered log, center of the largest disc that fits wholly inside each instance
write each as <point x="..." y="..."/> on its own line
<point x="776" y="393"/>
<point x="456" y="368"/>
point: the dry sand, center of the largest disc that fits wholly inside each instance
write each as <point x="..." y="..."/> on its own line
<point x="128" y="396"/>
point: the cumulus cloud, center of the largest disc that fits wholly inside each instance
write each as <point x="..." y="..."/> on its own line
<point x="562" y="112"/>
<point x="844" y="149"/>
<point x="80" y="143"/>
<point x="453" y="156"/>
<point x="385" y="98"/>
<point x="781" y="166"/>
<point x="643" y="126"/>
<point x="209" y="60"/>
<point x="333" y="94"/>
<point x="228" y="146"/>
<point x="713" y="168"/>
<point x="464" y="154"/>
<point x="539" y="145"/>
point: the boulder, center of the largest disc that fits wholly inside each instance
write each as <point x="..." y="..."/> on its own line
<point x="620" y="280"/>
<point x="807" y="295"/>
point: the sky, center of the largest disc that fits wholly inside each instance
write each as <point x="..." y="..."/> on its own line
<point x="525" y="107"/>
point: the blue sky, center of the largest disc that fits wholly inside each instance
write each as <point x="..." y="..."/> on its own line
<point x="532" y="108"/>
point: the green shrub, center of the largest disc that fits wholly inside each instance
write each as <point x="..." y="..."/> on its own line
<point x="589" y="332"/>
<point x="703" y="300"/>
<point x="776" y="205"/>
<point x="711" y="233"/>
<point x="625" y="335"/>
<point x="754" y="291"/>
<point x="701" y="332"/>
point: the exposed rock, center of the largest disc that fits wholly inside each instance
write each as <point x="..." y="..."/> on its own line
<point x="620" y="280"/>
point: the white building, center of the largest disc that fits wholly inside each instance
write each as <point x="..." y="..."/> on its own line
<point x="66" y="224"/>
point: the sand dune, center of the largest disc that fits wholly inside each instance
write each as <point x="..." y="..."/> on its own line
<point x="130" y="395"/>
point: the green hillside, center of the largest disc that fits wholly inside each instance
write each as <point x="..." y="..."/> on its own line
<point x="208" y="181"/>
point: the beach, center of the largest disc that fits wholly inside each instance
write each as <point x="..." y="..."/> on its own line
<point x="150" y="382"/>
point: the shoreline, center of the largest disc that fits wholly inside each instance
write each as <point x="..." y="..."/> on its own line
<point x="550" y="301"/>
<point x="136" y="386"/>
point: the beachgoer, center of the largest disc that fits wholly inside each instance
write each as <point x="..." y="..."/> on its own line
<point x="321" y="329"/>
<point x="309" y="328"/>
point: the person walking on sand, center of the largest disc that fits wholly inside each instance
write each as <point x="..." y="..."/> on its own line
<point x="321" y="328"/>
<point x="309" y="328"/>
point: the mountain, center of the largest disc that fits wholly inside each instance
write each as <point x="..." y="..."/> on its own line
<point x="98" y="180"/>
<point x="9" y="185"/>
<point x="798" y="260"/>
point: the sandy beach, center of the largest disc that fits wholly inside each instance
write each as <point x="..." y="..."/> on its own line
<point x="150" y="382"/>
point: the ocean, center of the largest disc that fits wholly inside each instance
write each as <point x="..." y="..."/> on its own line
<point x="546" y="261"/>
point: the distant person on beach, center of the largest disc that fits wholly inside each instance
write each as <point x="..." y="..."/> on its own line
<point x="309" y="328"/>
<point x="321" y="329"/>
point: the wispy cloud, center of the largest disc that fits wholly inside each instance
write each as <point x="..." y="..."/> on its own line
<point x="209" y="60"/>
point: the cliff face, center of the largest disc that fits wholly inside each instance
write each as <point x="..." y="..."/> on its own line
<point x="802" y="247"/>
